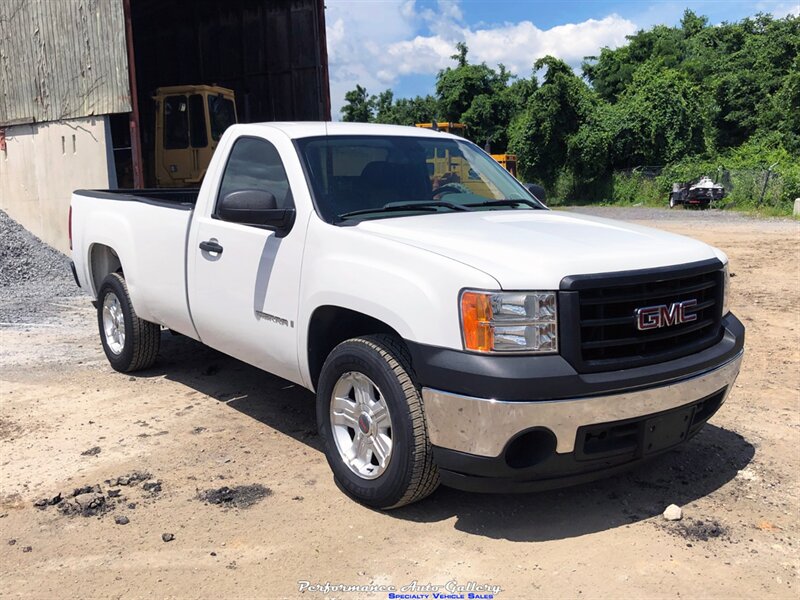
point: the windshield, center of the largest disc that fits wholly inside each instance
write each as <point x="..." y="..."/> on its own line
<point x="376" y="177"/>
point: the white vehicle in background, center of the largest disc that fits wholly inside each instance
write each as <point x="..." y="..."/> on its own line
<point x="701" y="193"/>
<point x="455" y="332"/>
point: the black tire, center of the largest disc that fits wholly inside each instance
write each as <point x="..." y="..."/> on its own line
<point x="410" y="474"/>
<point x="142" y="338"/>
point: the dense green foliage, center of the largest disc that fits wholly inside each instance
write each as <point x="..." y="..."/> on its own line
<point x="693" y="100"/>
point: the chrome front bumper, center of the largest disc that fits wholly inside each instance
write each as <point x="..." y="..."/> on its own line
<point x="483" y="427"/>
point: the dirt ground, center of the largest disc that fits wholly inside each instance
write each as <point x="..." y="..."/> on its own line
<point x="199" y="421"/>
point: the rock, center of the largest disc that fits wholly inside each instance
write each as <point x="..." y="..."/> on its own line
<point x="154" y="487"/>
<point x="673" y="513"/>
<point x="88" y="504"/>
<point x="121" y="520"/>
<point x="55" y="499"/>
<point x="123" y="480"/>
<point x="87" y="489"/>
<point x="27" y="549"/>
<point x="137" y="476"/>
<point x="41" y="503"/>
<point x="747" y="474"/>
<point x="94" y="451"/>
<point x="167" y="537"/>
<point x="114" y="493"/>
<point x="87" y="499"/>
<point x="132" y="505"/>
<point x="12" y="542"/>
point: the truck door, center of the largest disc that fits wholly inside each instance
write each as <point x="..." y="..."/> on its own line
<point x="243" y="293"/>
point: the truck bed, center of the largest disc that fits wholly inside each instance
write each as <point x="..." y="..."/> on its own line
<point x="148" y="230"/>
<point x="180" y="198"/>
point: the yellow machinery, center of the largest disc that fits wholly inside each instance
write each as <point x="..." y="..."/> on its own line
<point x="454" y="128"/>
<point x="507" y="161"/>
<point x="190" y="120"/>
<point x="444" y="168"/>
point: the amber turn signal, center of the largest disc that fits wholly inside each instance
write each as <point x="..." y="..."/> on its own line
<point x="476" y="317"/>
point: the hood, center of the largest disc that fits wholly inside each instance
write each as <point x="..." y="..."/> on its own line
<point x="535" y="249"/>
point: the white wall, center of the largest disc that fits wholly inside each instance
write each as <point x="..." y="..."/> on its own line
<point x="41" y="166"/>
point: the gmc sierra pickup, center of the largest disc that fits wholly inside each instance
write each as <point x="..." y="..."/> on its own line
<point x="453" y="328"/>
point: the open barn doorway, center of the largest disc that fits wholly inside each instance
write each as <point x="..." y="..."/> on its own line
<point x="270" y="53"/>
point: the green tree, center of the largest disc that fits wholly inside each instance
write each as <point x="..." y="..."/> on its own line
<point x="659" y="119"/>
<point x="457" y="87"/>
<point x="554" y="112"/>
<point x="461" y="54"/>
<point x="420" y="109"/>
<point x="359" y="106"/>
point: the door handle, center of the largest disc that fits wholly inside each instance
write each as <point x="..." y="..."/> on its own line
<point x="210" y="246"/>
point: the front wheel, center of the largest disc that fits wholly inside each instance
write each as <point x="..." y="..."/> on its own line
<point x="371" y="418"/>
<point x="129" y="342"/>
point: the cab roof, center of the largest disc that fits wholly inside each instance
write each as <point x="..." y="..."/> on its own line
<point x="303" y="129"/>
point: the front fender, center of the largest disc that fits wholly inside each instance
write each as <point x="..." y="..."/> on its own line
<point x="413" y="291"/>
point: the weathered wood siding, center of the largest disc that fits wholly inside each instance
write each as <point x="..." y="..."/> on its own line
<point x="62" y="59"/>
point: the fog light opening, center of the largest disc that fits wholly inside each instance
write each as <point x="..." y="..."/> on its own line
<point x="530" y="448"/>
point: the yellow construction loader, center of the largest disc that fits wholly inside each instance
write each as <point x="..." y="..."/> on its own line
<point x="507" y="161"/>
<point x="190" y="120"/>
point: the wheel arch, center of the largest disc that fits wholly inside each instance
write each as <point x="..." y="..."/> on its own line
<point x="103" y="260"/>
<point x="330" y="325"/>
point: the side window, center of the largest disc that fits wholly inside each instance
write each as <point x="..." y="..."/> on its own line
<point x="176" y="123"/>
<point x="197" y="121"/>
<point x="222" y="114"/>
<point x="254" y="164"/>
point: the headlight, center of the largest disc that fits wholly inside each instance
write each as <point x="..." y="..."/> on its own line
<point x="726" y="286"/>
<point x="500" y="322"/>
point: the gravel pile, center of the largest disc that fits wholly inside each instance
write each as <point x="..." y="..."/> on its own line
<point x="32" y="275"/>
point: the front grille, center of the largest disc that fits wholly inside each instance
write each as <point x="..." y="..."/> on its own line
<point x="602" y="332"/>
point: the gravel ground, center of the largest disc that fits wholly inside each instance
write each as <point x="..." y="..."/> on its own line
<point x="33" y="276"/>
<point x="677" y="215"/>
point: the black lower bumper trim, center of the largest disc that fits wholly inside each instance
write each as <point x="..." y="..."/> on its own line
<point x="502" y="485"/>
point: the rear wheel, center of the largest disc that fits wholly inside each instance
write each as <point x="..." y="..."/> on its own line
<point x="129" y="342"/>
<point x="371" y="418"/>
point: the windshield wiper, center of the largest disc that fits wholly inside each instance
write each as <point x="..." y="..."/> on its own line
<point x="424" y="205"/>
<point x="504" y="202"/>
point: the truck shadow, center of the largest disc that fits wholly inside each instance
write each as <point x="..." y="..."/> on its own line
<point x="687" y="473"/>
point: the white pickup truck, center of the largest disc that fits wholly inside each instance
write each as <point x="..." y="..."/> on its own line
<point x="453" y="328"/>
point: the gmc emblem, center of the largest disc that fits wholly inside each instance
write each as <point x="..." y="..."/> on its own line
<point x="665" y="315"/>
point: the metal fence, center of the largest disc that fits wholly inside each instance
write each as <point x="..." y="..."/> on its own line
<point x="752" y="187"/>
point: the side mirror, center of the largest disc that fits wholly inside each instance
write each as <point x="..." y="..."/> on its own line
<point x="537" y="191"/>
<point x="256" y="207"/>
